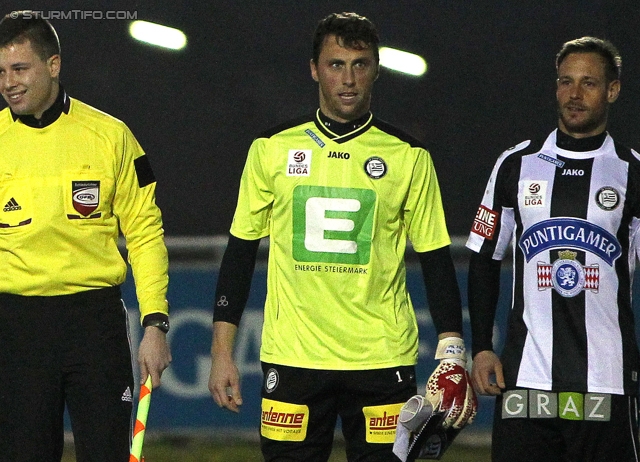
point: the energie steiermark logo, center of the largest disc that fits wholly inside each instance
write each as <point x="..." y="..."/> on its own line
<point x="332" y="225"/>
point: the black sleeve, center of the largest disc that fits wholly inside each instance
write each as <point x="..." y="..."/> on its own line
<point x="483" y="291"/>
<point x="443" y="294"/>
<point x="234" y="279"/>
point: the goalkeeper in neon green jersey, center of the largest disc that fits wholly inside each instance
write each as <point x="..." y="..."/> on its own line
<point x="338" y="193"/>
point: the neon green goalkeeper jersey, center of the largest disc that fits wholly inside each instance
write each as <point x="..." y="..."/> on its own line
<point x="338" y="211"/>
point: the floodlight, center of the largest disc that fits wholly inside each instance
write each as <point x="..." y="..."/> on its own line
<point x="402" y="61"/>
<point x="158" y="35"/>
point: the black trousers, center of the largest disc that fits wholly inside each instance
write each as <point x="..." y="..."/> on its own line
<point x="73" y="351"/>
<point x="300" y="408"/>
<point x="560" y="440"/>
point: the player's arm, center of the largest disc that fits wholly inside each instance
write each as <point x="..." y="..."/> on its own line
<point x="140" y="222"/>
<point x="489" y="239"/>
<point x="453" y="397"/>
<point x="232" y="293"/>
<point x="443" y="294"/>
<point x="483" y="291"/>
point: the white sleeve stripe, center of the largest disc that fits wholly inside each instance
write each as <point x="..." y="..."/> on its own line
<point x="507" y="226"/>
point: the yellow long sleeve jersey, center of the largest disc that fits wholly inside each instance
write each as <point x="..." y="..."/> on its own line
<point x="66" y="192"/>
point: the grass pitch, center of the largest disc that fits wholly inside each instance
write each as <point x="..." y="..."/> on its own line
<point x="198" y="450"/>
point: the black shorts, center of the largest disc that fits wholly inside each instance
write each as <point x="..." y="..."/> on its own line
<point x="300" y="408"/>
<point x="596" y="428"/>
<point x="72" y="351"/>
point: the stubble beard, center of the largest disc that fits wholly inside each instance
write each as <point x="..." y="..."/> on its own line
<point x="587" y="125"/>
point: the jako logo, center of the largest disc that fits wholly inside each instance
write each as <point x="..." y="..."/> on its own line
<point x="573" y="172"/>
<point x="339" y="155"/>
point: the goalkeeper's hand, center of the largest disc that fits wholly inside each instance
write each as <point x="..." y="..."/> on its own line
<point x="449" y="388"/>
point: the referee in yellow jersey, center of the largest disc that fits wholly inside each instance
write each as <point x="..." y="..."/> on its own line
<point x="71" y="179"/>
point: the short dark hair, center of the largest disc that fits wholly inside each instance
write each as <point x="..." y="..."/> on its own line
<point x="606" y="49"/>
<point x="20" y="26"/>
<point x="351" y="28"/>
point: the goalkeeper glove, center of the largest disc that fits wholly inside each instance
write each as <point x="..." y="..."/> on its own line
<point x="449" y="388"/>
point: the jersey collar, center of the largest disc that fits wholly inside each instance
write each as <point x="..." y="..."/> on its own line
<point x="341" y="132"/>
<point x="60" y="105"/>
<point x="569" y="143"/>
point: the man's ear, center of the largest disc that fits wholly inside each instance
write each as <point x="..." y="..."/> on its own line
<point x="314" y="70"/>
<point x="53" y="63"/>
<point x="613" y="91"/>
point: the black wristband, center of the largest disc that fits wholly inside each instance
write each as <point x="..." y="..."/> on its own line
<point x="159" y="320"/>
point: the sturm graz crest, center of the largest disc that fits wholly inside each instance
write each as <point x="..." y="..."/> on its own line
<point x="375" y="167"/>
<point x="607" y="198"/>
<point x="271" y="380"/>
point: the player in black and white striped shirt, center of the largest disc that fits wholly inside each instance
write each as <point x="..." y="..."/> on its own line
<point x="567" y="380"/>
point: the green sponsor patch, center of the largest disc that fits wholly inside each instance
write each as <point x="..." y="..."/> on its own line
<point x="571" y="406"/>
<point x="333" y="225"/>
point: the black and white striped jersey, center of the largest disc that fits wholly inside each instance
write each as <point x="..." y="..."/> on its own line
<point x="572" y="218"/>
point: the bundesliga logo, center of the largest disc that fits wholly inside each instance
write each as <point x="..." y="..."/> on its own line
<point x="535" y="193"/>
<point x="299" y="162"/>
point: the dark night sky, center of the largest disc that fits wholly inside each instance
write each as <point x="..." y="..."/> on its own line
<point x="490" y="85"/>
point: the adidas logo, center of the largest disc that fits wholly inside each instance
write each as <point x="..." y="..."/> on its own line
<point x="126" y="396"/>
<point x="11" y="206"/>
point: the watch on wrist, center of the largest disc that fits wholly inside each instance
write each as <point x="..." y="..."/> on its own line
<point x="162" y="324"/>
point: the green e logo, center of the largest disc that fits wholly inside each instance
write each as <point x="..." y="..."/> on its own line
<point x="332" y="225"/>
